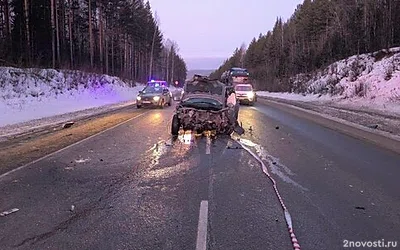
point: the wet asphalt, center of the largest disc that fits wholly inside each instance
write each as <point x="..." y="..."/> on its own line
<point x="135" y="187"/>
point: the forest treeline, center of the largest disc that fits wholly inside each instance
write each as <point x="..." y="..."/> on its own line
<point x="317" y="34"/>
<point x="119" y="37"/>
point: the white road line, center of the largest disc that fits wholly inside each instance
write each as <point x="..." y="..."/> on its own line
<point x="208" y="145"/>
<point x="69" y="146"/>
<point x="202" y="228"/>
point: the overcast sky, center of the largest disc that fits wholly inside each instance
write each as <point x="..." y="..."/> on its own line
<point x="214" y="28"/>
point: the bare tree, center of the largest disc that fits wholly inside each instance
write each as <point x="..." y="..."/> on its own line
<point x="52" y="34"/>
<point x="57" y="33"/>
<point x="7" y="21"/>
<point x="28" y="38"/>
<point x="91" y="43"/>
<point x="156" y="20"/>
<point x="106" y="38"/>
<point x="101" y="35"/>
<point x="71" y="45"/>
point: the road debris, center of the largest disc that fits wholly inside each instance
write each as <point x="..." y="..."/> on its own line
<point x="82" y="160"/>
<point x="373" y="126"/>
<point x="5" y="213"/>
<point x="68" y="124"/>
<point x="360" y="208"/>
<point x="72" y="208"/>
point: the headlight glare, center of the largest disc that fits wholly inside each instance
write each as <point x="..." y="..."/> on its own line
<point x="138" y="98"/>
<point x="156" y="98"/>
<point x="250" y="94"/>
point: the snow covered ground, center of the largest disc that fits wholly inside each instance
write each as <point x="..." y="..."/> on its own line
<point x="32" y="94"/>
<point x="356" y="103"/>
<point x="368" y="81"/>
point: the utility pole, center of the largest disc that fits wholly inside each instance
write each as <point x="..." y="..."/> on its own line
<point x="152" y="55"/>
<point x="156" y="22"/>
<point x="173" y="65"/>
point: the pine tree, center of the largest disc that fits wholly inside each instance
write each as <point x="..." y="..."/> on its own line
<point x="119" y="37"/>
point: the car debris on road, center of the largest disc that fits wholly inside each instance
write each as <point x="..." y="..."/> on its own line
<point x="5" y="213"/>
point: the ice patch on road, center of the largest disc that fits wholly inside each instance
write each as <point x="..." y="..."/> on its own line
<point x="273" y="163"/>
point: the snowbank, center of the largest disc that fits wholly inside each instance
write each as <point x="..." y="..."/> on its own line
<point x="27" y="94"/>
<point x="370" y="81"/>
<point x="294" y="96"/>
<point x="374" y="76"/>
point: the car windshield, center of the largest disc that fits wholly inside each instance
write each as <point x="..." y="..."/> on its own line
<point x="243" y="88"/>
<point x="202" y="103"/>
<point x="239" y="73"/>
<point x="204" y="87"/>
<point x="152" y="90"/>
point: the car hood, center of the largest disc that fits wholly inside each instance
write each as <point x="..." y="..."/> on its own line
<point x="219" y="98"/>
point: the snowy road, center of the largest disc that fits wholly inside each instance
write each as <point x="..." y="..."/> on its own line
<point x="133" y="187"/>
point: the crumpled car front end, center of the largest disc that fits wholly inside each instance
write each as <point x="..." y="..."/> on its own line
<point x="204" y="107"/>
<point x="202" y="120"/>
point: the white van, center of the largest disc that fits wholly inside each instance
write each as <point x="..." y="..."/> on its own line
<point x="245" y="93"/>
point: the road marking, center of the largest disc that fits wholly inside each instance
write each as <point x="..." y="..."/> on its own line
<point x="69" y="146"/>
<point x="208" y="145"/>
<point x="202" y="228"/>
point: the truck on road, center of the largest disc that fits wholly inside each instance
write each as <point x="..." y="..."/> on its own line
<point x="235" y="75"/>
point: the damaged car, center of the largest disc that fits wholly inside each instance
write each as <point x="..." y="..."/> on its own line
<point x="206" y="105"/>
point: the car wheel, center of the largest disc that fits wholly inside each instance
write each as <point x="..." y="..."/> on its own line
<point x="175" y="126"/>
<point x="170" y="102"/>
<point x="138" y="106"/>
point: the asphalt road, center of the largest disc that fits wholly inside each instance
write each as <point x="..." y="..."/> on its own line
<point x="134" y="187"/>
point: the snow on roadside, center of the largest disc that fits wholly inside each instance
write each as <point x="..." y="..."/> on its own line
<point x="29" y="94"/>
<point x="368" y="81"/>
<point x="294" y="96"/>
<point x="337" y="101"/>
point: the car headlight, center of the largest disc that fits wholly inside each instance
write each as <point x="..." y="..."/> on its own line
<point x="156" y="98"/>
<point x="138" y="98"/>
<point x="250" y="94"/>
